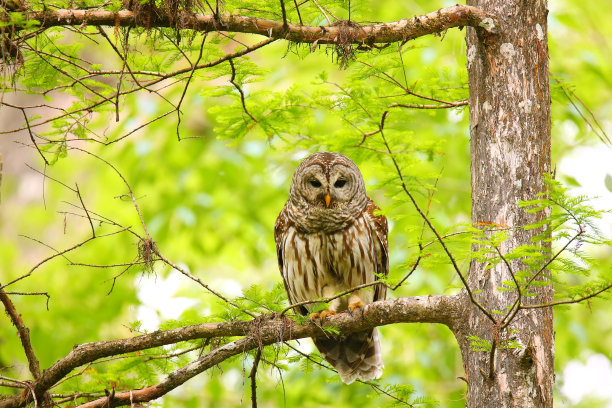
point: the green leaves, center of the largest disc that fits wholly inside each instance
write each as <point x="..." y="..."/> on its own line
<point x="478" y="344"/>
<point x="259" y="300"/>
<point x="210" y="201"/>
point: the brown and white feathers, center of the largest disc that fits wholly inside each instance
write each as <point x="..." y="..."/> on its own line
<point x="328" y="240"/>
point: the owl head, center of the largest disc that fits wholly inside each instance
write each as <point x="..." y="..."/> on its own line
<point x="327" y="188"/>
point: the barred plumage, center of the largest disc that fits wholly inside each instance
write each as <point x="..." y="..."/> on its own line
<point x="328" y="240"/>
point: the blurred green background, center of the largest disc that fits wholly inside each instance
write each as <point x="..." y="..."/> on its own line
<point x="210" y="202"/>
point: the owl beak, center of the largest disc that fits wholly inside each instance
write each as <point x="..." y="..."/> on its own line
<point x="327" y="200"/>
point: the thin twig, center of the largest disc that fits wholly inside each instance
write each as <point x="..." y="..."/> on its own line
<point x="492" y="356"/>
<point x="430" y="225"/>
<point x="93" y="231"/>
<point x="568" y="94"/>
<point x="325" y="11"/>
<point x="518" y="289"/>
<point x="239" y="88"/>
<point x="569" y="301"/>
<point x="285" y="25"/>
<point x="199" y="281"/>
<point x="27" y="122"/>
<point x="253" y="374"/>
<point x="121" y="56"/>
<point x="447" y="105"/>
<point x="131" y="195"/>
<point x="515" y="306"/>
<point x="77" y="374"/>
<point x="61" y="253"/>
<point x="297" y="8"/>
<point x="409" y="91"/>
<point x="32" y="294"/>
<point x="371" y="384"/>
<point x="193" y="67"/>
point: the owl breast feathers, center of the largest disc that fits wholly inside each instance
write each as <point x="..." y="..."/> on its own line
<point x="328" y="240"/>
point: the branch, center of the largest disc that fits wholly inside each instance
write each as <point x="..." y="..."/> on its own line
<point x="253" y="374"/>
<point x="239" y="89"/>
<point x="60" y="253"/>
<point x="199" y="281"/>
<point x="570" y="301"/>
<point x="402" y="30"/>
<point x="146" y="86"/>
<point x="24" y="334"/>
<point x="447" y="105"/>
<point x="261" y="331"/>
<point x="429" y="223"/>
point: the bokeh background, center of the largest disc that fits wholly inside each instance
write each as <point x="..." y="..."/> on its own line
<point x="210" y="202"/>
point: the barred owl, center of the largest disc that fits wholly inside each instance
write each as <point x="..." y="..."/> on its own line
<point x="328" y="240"/>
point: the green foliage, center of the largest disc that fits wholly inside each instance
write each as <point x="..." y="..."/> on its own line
<point x="210" y="201"/>
<point x="566" y="226"/>
<point x="570" y="225"/>
<point x="262" y="301"/>
<point x="478" y="344"/>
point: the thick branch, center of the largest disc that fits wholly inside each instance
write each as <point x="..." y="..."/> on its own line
<point x="402" y="30"/>
<point x="261" y="331"/>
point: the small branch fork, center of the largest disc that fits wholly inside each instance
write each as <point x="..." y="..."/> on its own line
<point x="148" y="85"/>
<point x="402" y="30"/>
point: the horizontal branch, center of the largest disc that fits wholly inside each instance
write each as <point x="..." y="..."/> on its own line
<point x="456" y="104"/>
<point x="264" y="330"/>
<point x="340" y="32"/>
<point x="570" y="301"/>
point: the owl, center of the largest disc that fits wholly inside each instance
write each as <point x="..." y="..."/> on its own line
<point x="328" y="240"/>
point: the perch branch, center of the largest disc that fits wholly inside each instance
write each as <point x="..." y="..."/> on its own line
<point x="402" y="30"/>
<point x="270" y="329"/>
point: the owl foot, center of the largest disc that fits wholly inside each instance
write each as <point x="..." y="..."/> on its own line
<point x="321" y="315"/>
<point x="356" y="305"/>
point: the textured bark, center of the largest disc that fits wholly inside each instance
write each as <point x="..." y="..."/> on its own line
<point x="341" y="32"/>
<point x="510" y="151"/>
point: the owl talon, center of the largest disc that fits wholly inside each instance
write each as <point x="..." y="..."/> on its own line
<point x="321" y="315"/>
<point x="356" y="305"/>
<point x="326" y="313"/>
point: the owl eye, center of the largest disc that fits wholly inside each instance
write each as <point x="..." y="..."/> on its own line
<point x="315" y="183"/>
<point x="339" y="183"/>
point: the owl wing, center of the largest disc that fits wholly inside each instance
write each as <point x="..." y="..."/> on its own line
<point x="280" y="231"/>
<point x="378" y="224"/>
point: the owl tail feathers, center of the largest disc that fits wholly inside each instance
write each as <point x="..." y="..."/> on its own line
<point x="356" y="355"/>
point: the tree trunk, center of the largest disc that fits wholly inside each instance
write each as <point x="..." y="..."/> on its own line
<point x="510" y="152"/>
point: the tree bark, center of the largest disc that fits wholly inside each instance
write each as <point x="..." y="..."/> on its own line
<point x="342" y="32"/>
<point x="510" y="153"/>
